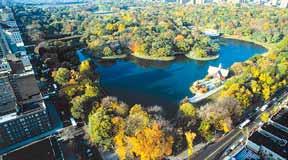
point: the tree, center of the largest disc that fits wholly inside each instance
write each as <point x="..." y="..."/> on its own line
<point x="265" y="117"/>
<point x="99" y="128"/>
<point x="91" y="90"/>
<point x="190" y="136"/>
<point x="187" y="110"/>
<point x="78" y="105"/>
<point x="117" y="107"/>
<point x="107" y="51"/>
<point x="121" y="146"/>
<point x="198" y="52"/>
<point x="255" y="87"/>
<point x="84" y="67"/>
<point x="204" y="130"/>
<point x="137" y="120"/>
<point x="151" y="143"/>
<point x="121" y="27"/>
<point x="61" y="76"/>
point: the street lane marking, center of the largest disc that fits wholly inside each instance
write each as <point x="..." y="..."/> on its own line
<point x="236" y="134"/>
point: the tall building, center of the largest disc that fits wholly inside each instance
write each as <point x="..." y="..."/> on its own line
<point x="283" y="4"/>
<point x="23" y="114"/>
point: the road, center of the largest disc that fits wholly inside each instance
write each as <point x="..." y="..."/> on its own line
<point x="212" y="151"/>
<point x="215" y="150"/>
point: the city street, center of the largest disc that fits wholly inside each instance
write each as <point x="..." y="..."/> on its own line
<point x="215" y="150"/>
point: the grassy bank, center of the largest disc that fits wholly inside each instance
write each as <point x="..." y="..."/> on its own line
<point x="170" y="58"/>
<point x="114" y="57"/>
<point x="200" y="58"/>
<point x="269" y="47"/>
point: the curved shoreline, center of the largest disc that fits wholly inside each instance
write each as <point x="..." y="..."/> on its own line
<point x="170" y="58"/>
<point x="246" y="39"/>
<point x="202" y="59"/>
<point x="121" y="56"/>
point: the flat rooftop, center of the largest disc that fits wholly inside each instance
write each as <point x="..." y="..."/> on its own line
<point x="41" y="150"/>
<point x="15" y="63"/>
<point x="275" y="131"/>
<point x="26" y="89"/>
<point x="7" y="97"/>
<point x="282" y="117"/>
<point x="260" y="139"/>
<point x="246" y="153"/>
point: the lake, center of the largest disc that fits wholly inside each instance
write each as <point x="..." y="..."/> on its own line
<point x="137" y="81"/>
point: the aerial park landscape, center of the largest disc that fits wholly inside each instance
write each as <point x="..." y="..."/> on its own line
<point x="168" y="78"/>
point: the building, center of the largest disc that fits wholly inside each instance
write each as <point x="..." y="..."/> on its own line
<point x="218" y="72"/>
<point x="23" y="113"/>
<point x="270" y="141"/>
<point x="283" y="4"/>
<point x="47" y="149"/>
<point x="268" y="146"/>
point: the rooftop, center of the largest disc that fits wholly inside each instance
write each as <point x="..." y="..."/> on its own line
<point x="26" y="89"/>
<point x="262" y="140"/>
<point x="4" y="66"/>
<point x="282" y="117"/>
<point x="15" y="64"/>
<point x="246" y="153"/>
<point x="214" y="70"/>
<point x="43" y="149"/>
<point x="275" y="131"/>
<point x="7" y="97"/>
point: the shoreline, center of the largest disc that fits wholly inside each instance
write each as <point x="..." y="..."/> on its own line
<point x="170" y="58"/>
<point x="202" y="59"/>
<point x="268" y="47"/>
<point x="247" y="39"/>
<point x="121" y="56"/>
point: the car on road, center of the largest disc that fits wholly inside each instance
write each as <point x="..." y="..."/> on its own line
<point x="264" y="107"/>
<point x="243" y="124"/>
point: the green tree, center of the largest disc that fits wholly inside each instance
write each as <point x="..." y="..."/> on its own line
<point x="79" y="103"/>
<point x="107" y="51"/>
<point x="99" y="128"/>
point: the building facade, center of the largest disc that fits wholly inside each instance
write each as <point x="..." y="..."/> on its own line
<point x="23" y="113"/>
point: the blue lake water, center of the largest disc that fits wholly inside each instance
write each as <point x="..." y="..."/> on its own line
<point x="166" y="83"/>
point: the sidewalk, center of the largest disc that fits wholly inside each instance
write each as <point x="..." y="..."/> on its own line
<point x="184" y="154"/>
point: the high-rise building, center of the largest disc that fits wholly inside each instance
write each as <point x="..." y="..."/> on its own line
<point x="283" y="4"/>
<point x="23" y="114"/>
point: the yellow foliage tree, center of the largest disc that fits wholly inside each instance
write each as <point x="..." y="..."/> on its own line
<point x="121" y="146"/>
<point x="265" y="117"/>
<point x="151" y="143"/>
<point x="190" y="136"/>
<point x="121" y="27"/>
<point x="187" y="109"/>
<point x="84" y="66"/>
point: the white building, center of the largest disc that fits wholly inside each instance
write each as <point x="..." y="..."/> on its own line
<point x="283" y="4"/>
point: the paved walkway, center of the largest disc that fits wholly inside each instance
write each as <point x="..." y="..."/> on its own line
<point x="184" y="154"/>
<point x="198" y="98"/>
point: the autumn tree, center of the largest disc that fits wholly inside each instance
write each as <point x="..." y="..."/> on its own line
<point x="151" y="143"/>
<point x="187" y="109"/>
<point x="190" y="136"/>
<point x="61" y="76"/>
<point x="137" y="119"/>
<point x="265" y="117"/>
